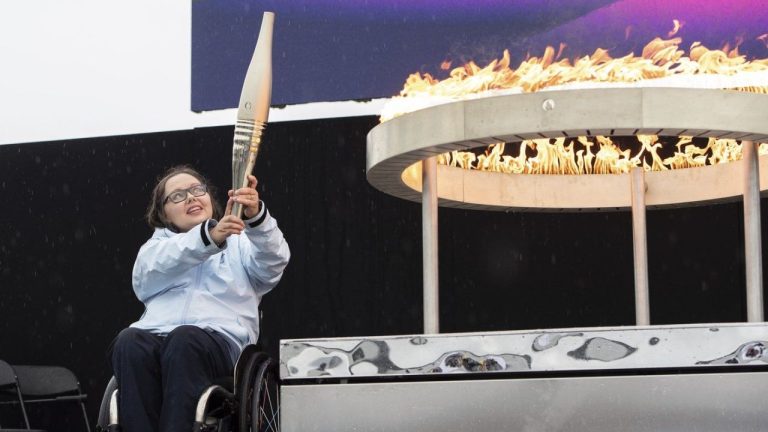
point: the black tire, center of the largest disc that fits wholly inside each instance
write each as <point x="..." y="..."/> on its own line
<point x="244" y="389"/>
<point x="265" y="405"/>
<point x="103" y="419"/>
<point x="259" y="406"/>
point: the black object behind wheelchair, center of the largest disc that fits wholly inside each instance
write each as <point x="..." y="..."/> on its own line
<point x="247" y="402"/>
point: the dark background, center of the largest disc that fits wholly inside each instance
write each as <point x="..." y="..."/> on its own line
<point x="72" y="225"/>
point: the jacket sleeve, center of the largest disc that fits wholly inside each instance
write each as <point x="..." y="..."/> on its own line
<point x="161" y="260"/>
<point x="264" y="251"/>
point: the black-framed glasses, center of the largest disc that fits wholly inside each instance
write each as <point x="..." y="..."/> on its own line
<point x="180" y="195"/>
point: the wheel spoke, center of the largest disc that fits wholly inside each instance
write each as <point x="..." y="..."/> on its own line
<point x="269" y="398"/>
<point x="270" y="420"/>
<point x="272" y="415"/>
<point x="262" y="408"/>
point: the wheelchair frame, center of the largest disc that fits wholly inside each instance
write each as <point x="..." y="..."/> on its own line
<point x="220" y="407"/>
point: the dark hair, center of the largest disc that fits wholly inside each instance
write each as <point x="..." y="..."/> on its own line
<point x="156" y="209"/>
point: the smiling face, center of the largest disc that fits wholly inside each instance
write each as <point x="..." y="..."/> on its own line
<point x="190" y="212"/>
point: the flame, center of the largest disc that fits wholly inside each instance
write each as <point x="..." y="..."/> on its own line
<point x="764" y="39"/>
<point x="627" y="32"/>
<point x="677" y="26"/>
<point x="573" y="157"/>
<point x="661" y="63"/>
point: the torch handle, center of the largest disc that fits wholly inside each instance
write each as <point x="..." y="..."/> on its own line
<point x="237" y="208"/>
<point x="253" y="150"/>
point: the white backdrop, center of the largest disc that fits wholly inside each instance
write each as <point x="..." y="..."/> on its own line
<point x="85" y="68"/>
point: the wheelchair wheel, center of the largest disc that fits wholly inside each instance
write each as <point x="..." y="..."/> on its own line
<point x="260" y="401"/>
<point x="107" y="412"/>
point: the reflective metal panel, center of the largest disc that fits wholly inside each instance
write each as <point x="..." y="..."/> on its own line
<point x="733" y="402"/>
<point x="650" y="347"/>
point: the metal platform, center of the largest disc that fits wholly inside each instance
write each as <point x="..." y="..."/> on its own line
<point x="563" y="350"/>
<point x="732" y="402"/>
<point x="658" y="378"/>
<point x="698" y="377"/>
<point x="396" y="147"/>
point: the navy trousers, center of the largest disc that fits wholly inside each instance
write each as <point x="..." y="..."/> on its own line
<point x="160" y="379"/>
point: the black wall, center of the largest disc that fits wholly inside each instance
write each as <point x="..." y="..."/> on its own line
<point x="72" y="224"/>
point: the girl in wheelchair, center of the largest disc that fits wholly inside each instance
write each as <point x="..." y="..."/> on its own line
<point x="200" y="276"/>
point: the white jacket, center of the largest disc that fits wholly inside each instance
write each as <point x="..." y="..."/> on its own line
<point x="184" y="278"/>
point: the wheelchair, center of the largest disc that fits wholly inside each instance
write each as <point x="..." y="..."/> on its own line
<point x="247" y="402"/>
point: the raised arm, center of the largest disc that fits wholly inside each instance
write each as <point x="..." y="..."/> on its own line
<point x="263" y="249"/>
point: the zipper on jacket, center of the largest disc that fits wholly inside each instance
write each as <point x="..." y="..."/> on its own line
<point x="192" y="293"/>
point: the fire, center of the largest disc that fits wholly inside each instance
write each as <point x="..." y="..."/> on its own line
<point x="764" y="39"/>
<point x="678" y="25"/>
<point x="661" y="63"/>
<point x="600" y="155"/>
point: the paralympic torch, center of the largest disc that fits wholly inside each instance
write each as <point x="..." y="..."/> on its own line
<point x="253" y="110"/>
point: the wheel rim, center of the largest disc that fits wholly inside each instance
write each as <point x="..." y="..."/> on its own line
<point x="265" y="406"/>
